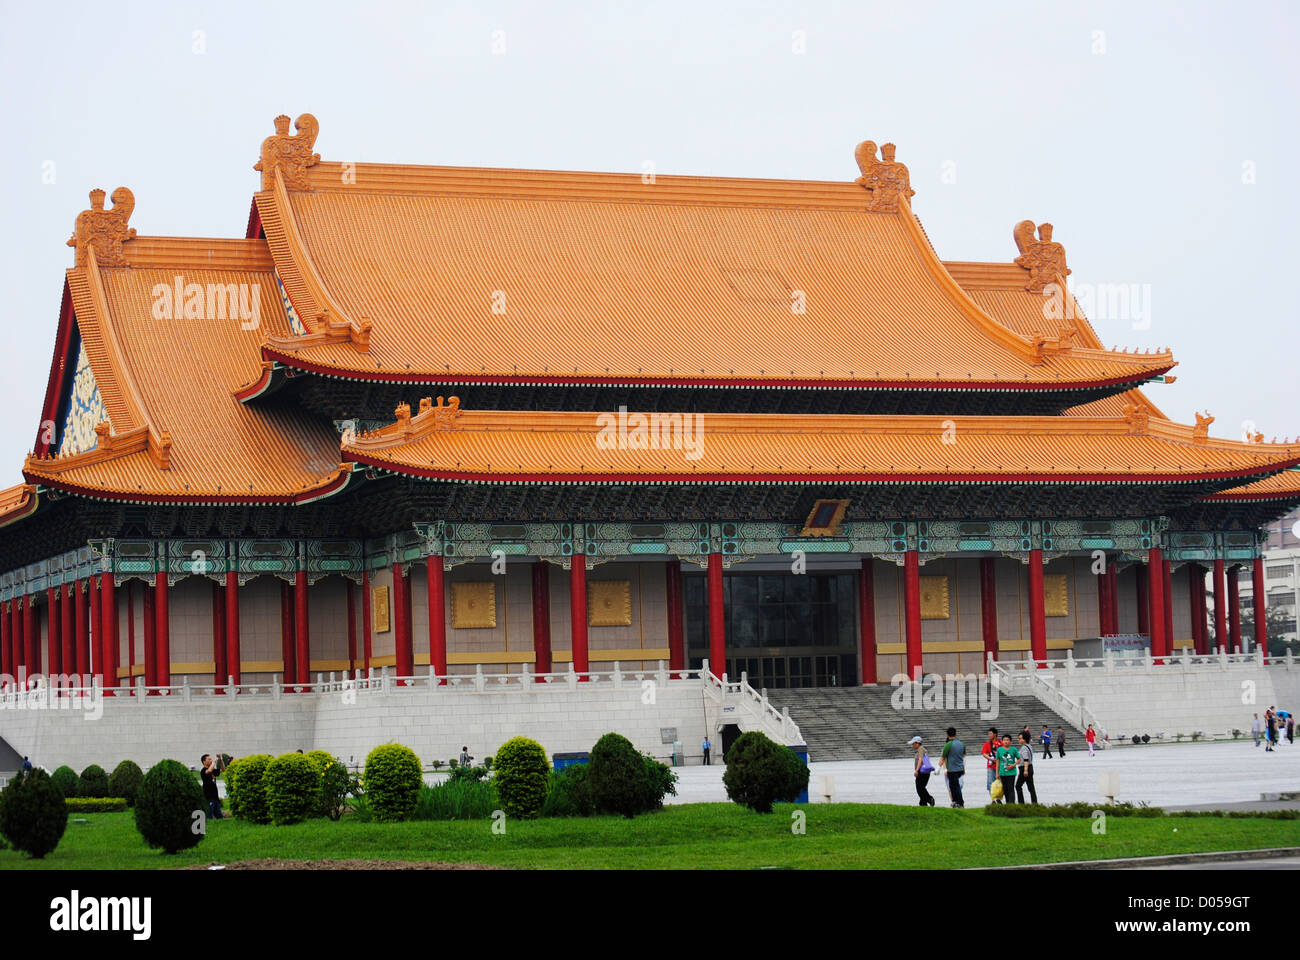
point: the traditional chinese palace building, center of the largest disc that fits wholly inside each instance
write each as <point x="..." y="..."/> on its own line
<point x="439" y="417"/>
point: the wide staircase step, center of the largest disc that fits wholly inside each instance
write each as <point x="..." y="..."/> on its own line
<point x="861" y="723"/>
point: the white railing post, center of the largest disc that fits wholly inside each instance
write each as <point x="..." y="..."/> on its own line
<point x="383" y="679"/>
<point x="525" y="675"/>
<point x="571" y="678"/>
<point x="479" y="683"/>
<point x="275" y="686"/>
<point x="185" y="688"/>
<point x="661" y="674"/>
<point x="618" y="674"/>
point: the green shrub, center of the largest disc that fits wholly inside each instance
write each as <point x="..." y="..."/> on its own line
<point x="660" y="779"/>
<point x="95" y="804"/>
<point x="246" y="790"/>
<point x="336" y="785"/>
<point x="1083" y="811"/>
<point x="459" y="800"/>
<point x="570" y="793"/>
<point x="165" y="807"/>
<point x="125" y="781"/>
<point x="33" y="814"/>
<point x="93" y="782"/>
<point x="617" y="774"/>
<point x="392" y="782"/>
<point x="66" y="779"/>
<point x="292" y="788"/>
<point x="761" y="772"/>
<point x="522" y="777"/>
<point x="464" y="773"/>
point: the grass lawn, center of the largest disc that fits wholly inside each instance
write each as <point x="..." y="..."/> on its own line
<point x="689" y="836"/>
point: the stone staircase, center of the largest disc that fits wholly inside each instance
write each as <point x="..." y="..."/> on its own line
<point x="860" y="723"/>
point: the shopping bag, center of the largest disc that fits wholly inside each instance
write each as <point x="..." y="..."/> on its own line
<point x="996" y="792"/>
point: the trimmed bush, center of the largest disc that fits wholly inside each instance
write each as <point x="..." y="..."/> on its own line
<point x="392" y="782"/>
<point x="522" y="777"/>
<point x="165" y="806"/>
<point x="570" y="793"/>
<point x="617" y="774"/>
<point x="33" y="814"/>
<point x="292" y="788"/>
<point x="66" y="779"/>
<point x="245" y="789"/>
<point x="336" y="785"/>
<point x="93" y="783"/>
<point x="95" y="804"/>
<point x="660" y="781"/>
<point x="125" y="781"/>
<point x="761" y="772"/>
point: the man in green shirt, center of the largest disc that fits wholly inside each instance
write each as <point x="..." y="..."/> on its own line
<point x="1008" y="758"/>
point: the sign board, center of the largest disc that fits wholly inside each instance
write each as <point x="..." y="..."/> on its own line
<point x="379" y="609"/>
<point x="667" y="734"/>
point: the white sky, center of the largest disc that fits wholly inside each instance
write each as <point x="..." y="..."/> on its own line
<point x="1135" y="154"/>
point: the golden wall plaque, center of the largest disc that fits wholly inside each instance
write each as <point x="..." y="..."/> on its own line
<point x="609" y="603"/>
<point x="1056" y="595"/>
<point x="379" y="609"/>
<point x="934" y="598"/>
<point x="473" y="604"/>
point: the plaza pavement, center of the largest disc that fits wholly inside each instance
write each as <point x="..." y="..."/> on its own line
<point x="1173" y="775"/>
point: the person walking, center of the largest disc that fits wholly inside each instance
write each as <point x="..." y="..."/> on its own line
<point x="1290" y="728"/>
<point x="1060" y="742"/>
<point x="707" y="747"/>
<point x="1255" y="729"/>
<point x="1008" y="759"/>
<point x="465" y="759"/>
<point x="208" y="776"/>
<point x="921" y="770"/>
<point x="1090" y="735"/>
<point x="1026" y="777"/>
<point x="1046" y="738"/>
<point x="1270" y="723"/>
<point x="989" y="751"/>
<point x="953" y="762"/>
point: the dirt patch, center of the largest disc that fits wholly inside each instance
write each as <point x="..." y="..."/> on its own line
<point x="274" y="864"/>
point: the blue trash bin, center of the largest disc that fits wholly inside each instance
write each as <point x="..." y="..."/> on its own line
<point x="801" y="751"/>
<point x="562" y="760"/>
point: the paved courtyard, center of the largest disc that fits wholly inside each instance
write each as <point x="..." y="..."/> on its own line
<point x="1164" y="775"/>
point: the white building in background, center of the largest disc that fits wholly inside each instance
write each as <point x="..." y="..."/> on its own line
<point x="1281" y="574"/>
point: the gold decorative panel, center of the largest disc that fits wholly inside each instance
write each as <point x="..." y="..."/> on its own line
<point x="379" y="609"/>
<point x="1056" y="595"/>
<point x="473" y="604"/>
<point x="934" y="598"/>
<point x="609" y="603"/>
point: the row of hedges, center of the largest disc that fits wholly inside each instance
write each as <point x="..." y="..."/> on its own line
<point x="94" y="782"/>
<point x="289" y="788"/>
<point x="95" y="804"/>
<point x="1083" y="811"/>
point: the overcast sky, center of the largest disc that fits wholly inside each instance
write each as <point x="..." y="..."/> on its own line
<point x="1160" y="139"/>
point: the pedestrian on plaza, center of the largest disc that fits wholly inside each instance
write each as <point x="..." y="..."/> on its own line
<point x="1008" y="758"/>
<point x="1290" y="728"/>
<point x="1090" y="735"/>
<point x="989" y="751"/>
<point x="208" y="776"/>
<point x="26" y="767"/>
<point x="1255" y="728"/>
<point x="953" y="763"/>
<point x="1270" y="721"/>
<point x="465" y="759"/>
<point x="1060" y="742"/>
<point x="1046" y="739"/>
<point x="921" y="770"/>
<point x="1025" y="731"/>
<point x="706" y="746"/>
<point x="1026" y="777"/>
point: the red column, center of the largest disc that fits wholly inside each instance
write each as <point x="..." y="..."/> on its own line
<point x="366" y="643"/>
<point x="867" y="621"/>
<point x="130" y="634"/>
<point x="17" y="634"/>
<point x="67" y="629"/>
<point x="219" y="635"/>
<point x="52" y="644"/>
<point x="1103" y="601"/>
<point x="541" y="616"/>
<point x="1167" y="571"/>
<point x="162" y="632"/>
<point x="912" y="612"/>
<point x="1200" y="628"/>
<point x="1261" y="616"/>
<point x="1037" y="608"/>
<point x="96" y="628"/>
<point x="302" y="629"/>
<point x="1234" y="609"/>
<point x="1220" y="606"/>
<point x="352" y="626"/>
<point x="6" y="643"/>
<point x="108" y="642"/>
<point x="402" y="623"/>
<point x="150" y="637"/>
<point x="232" y="628"/>
<point x="288" y="645"/>
<point x="1143" y="600"/>
<point x="578" y="613"/>
<point x="1112" y="596"/>
<point x="81" y="619"/>
<point x="438" y="617"/>
<point x="989" y="608"/>
<point x="1156" y="592"/>
<point x="717" y="618"/>
<point x="676" y="633"/>
<point x="32" y="632"/>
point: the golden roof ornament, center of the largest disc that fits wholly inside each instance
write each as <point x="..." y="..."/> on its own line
<point x="1201" y="432"/>
<point x="1136" y="414"/>
<point x="1043" y="258"/>
<point x="104" y="230"/>
<point x="884" y="179"/>
<point x="291" y="154"/>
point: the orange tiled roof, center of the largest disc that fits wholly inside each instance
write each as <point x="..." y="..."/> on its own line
<point x="17" y="502"/>
<point x="536" y="276"/>
<point x="446" y="443"/>
<point x="1281" y="486"/>
<point x="999" y="289"/>
<point x="177" y="432"/>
